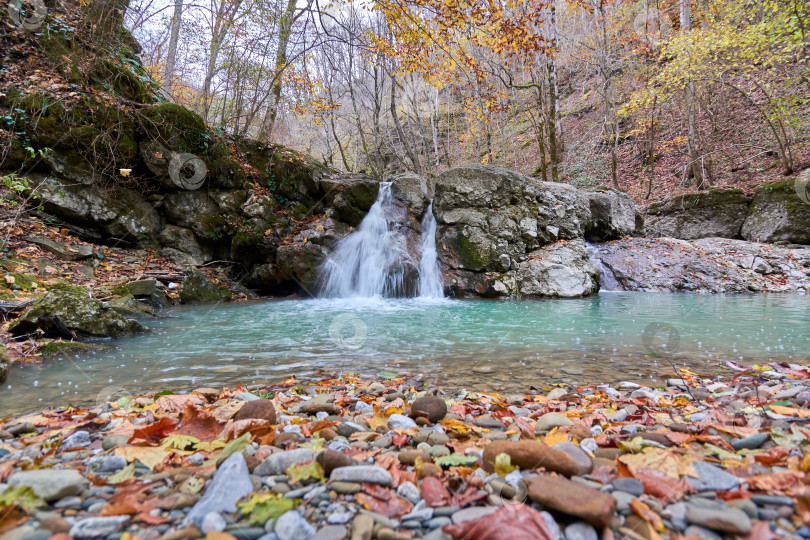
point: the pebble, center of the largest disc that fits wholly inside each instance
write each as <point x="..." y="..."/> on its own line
<point x="95" y="527"/>
<point x="556" y="393"/>
<point x="50" y="484"/>
<point x="78" y="439"/>
<point x="580" y="531"/>
<point x="111" y="441"/>
<point x="331" y="532"/>
<point x="292" y="526"/>
<point x="279" y="462"/>
<point x="245" y="533"/>
<point x="629" y="485"/>
<point x="472" y="513"/>
<point x="362" y="527"/>
<point x="212" y="522"/>
<point x="68" y="502"/>
<point x="750" y="443"/>
<point x="409" y="491"/>
<point x="362" y="473"/>
<point x="775" y="500"/>
<point x="345" y="487"/>
<point x="623" y="500"/>
<point x="731" y="520"/>
<point x="230" y="483"/>
<point x="712" y="478"/>
<point x="551" y="420"/>
<point x="440" y="521"/>
<point x="106" y="464"/>
<point x="583" y="460"/>
<point x="433" y="408"/>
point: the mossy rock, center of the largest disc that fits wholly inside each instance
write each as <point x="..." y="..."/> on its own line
<point x="71" y="307"/>
<point x="469" y="256"/>
<point x="197" y="288"/>
<point x="120" y="80"/>
<point x="175" y="126"/>
<point x="250" y="246"/>
<point x="68" y="348"/>
<point x="122" y="290"/>
<point x="22" y="282"/>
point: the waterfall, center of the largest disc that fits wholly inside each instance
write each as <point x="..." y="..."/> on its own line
<point x="607" y="280"/>
<point x="368" y="262"/>
<point x="430" y="279"/>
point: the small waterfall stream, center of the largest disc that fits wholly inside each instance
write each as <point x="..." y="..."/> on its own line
<point x="607" y="280"/>
<point x="430" y="278"/>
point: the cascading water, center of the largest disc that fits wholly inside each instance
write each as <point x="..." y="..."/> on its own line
<point x="430" y="279"/>
<point x="607" y="280"/>
<point x="368" y="262"/>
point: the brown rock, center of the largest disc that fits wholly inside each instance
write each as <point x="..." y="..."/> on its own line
<point x="428" y="469"/>
<point x="608" y="453"/>
<point x="580" y="431"/>
<point x="177" y="501"/>
<point x="186" y="532"/>
<point x="409" y="457"/>
<point x="578" y="454"/>
<point x="331" y="460"/>
<point x="659" y="438"/>
<point x="313" y="408"/>
<point x="252" y="462"/>
<point x="327" y="434"/>
<point x="574" y="499"/>
<point x="431" y="407"/>
<point x="287" y="438"/>
<point x="210" y="394"/>
<point x="603" y="462"/>
<point x="261" y="409"/>
<point x="55" y="524"/>
<point x="530" y="455"/>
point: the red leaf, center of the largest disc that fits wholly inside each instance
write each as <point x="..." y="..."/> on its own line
<point x="513" y="521"/>
<point x="198" y="423"/>
<point x="154" y="432"/>
<point x="400" y="439"/>
<point x="434" y="492"/>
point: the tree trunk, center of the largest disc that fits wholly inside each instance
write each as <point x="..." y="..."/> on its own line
<point x="695" y="160"/>
<point x="284" y="31"/>
<point x="405" y="144"/>
<point x="552" y="102"/>
<point x="171" y="56"/>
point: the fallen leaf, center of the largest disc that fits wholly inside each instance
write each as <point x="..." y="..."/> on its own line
<point x="514" y="521"/>
<point x="198" y="423"/>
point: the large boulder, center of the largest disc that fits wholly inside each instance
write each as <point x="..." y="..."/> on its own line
<point x="778" y="214"/>
<point x="350" y="195"/>
<point x="715" y="265"/>
<point x="495" y="224"/>
<point x="182" y="246"/>
<point x="70" y="309"/>
<point x="705" y="214"/>
<point x="613" y="215"/>
<point x="198" y="288"/>
<point x="116" y="213"/>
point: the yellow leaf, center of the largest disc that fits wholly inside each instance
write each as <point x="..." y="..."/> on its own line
<point x="123" y="475"/>
<point x="148" y="455"/>
<point x="124" y="172"/>
<point x="554" y="436"/>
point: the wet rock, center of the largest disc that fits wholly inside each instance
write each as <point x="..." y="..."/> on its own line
<point x="262" y="409"/>
<point x="374" y="389"/>
<point x="106" y="464"/>
<point x="558" y="493"/>
<point x="549" y="421"/>
<point x="530" y="455"/>
<point x="96" y="527"/>
<point x="292" y="526"/>
<point x="111" y="441"/>
<point x="362" y="473"/>
<point x="331" y="532"/>
<point x="730" y="520"/>
<point x="346" y="429"/>
<point x="50" y="484"/>
<point x="230" y="483"/>
<point x="433" y="408"/>
<point x="279" y="462"/>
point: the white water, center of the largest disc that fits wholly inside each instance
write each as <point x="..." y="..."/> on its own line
<point x="369" y="262"/>
<point x="430" y="279"/>
<point x="607" y="281"/>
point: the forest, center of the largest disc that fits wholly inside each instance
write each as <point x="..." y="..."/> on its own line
<point x="651" y="97"/>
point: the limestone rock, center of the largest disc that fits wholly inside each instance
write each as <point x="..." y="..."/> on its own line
<point x="704" y="214"/>
<point x="777" y="214"/>
<point x="197" y="288"/>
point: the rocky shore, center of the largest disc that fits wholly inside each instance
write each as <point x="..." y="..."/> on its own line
<point x="704" y="456"/>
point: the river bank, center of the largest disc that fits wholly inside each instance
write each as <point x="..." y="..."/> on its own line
<point x="392" y="458"/>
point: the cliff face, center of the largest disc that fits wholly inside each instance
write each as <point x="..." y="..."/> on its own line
<point x="101" y="152"/>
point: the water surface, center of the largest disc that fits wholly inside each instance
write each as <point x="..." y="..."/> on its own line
<point x="507" y="345"/>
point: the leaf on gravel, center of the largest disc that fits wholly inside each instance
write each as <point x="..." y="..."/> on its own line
<point x="234" y="446"/>
<point x="314" y="445"/>
<point x="22" y="496"/>
<point x="204" y="446"/>
<point x="198" y="423"/>
<point x="305" y="471"/>
<point x="150" y="456"/>
<point x="722" y="454"/>
<point x="645" y="512"/>
<point x="240" y="427"/>
<point x="264" y="507"/>
<point x="124" y="474"/>
<point x="776" y="481"/>
<point x="434" y="493"/>
<point x="456" y="427"/>
<point x="178" y="403"/>
<point x="179" y="442"/>
<point x="555" y="436"/>
<point x="503" y="464"/>
<point x="455" y="459"/>
<point x="508" y="522"/>
<point x="383" y="501"/>
<point x="154" y="432"/>
<point x="661" y="485"/>
<point x="670" y="463"/>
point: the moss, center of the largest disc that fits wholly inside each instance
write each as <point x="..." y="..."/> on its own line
<point x="175" y="126"/>
<point x="67" y="348"/>
<point x="122" y="290"/>
<point x="21" y="282"/>
<point x="787" y="185"/>
<point x="469" y="255"/>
